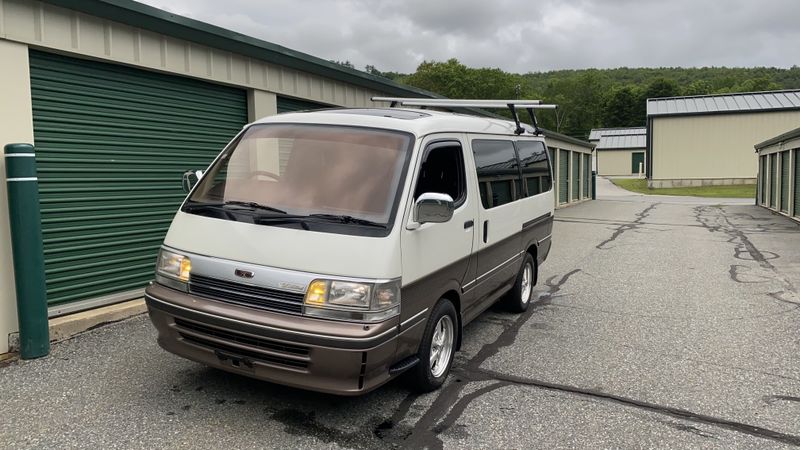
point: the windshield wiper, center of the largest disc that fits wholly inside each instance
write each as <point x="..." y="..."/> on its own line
<point x="347" y="219"/>
<point x="265" y="219"/>
<point x="254" y="205"/>
<point x="195" y="206"/>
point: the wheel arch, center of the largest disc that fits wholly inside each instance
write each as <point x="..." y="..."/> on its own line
<point x="533" y="250"/>
<point x="455" y="298"/>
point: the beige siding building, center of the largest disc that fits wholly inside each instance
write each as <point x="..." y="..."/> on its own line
<point x="779" y="174"/>
<point x="119" y="99"/>
<point x="701" y="140"/>
<point x="620" y="151"/>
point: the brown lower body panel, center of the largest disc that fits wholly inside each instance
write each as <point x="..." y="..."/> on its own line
<point x="351" y="360"/>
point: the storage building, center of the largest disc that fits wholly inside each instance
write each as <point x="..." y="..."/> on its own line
<point x="119" y="99"/>
<point x="620" y="151"/>
<point x="702" y="140"/>
<point x="572" y="168"/>
<point x="779" y="173"/>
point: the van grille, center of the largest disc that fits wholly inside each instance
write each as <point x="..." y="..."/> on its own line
<point x="246" y="295"/>
<point x="195" y="333"/>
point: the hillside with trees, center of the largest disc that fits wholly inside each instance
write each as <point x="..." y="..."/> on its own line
<point x="592" y="98"/>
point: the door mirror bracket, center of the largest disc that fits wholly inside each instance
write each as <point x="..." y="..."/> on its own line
<point x="190" y="179"/>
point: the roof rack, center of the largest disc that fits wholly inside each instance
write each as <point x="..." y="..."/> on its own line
<point x="512" y="105"/>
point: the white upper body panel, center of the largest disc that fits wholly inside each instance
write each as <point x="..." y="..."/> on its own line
<point x="287" y="248"/>
<point x="321" y="252"/>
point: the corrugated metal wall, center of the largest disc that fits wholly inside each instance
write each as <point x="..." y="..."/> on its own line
<point x="286" y="104"/>
<point x="714" y="145"/>
<point x="112" y="143"/>
<point x="563" y="176"/>
<point x="785" y="169"/>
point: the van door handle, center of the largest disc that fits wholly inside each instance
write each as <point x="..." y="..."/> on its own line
<point x="468" y="224"/>
<point x="485" y="230"/>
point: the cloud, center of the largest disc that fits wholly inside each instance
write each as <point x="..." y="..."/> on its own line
<point x="517" y="35"/>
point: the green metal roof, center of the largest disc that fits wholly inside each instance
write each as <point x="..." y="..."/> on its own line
<point x="159" y="21"/>
<point x="565" y="138"/>
<point x="793" y="134"/>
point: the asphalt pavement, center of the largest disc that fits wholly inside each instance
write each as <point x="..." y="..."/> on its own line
<point x="659" y="323"/>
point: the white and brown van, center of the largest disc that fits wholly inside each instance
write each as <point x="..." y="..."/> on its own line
<point x="337" y="249"/>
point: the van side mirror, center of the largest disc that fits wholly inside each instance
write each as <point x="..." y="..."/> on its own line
<point x="190" y="178"/>
<point x="432" y="207"/>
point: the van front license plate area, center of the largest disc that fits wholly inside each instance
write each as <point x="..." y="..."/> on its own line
<point x="237" y="361"/>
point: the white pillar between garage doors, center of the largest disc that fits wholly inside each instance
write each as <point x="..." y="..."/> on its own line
<point x="261" y="104"/>
<point x="16" y="125"/>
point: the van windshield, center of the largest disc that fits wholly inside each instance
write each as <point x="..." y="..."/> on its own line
<point x="305" y="170"/>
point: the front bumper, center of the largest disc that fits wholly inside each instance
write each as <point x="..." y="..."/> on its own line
<point x="322" y="355"/>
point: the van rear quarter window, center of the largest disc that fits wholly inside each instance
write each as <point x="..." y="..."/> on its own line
<point x="535" y="167"/>
<point x="498" y="171"/>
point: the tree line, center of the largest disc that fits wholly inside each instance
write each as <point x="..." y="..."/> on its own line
<point x="591" y="98"/>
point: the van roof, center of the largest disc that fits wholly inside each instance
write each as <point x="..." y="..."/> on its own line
<point x="416" y="121"/>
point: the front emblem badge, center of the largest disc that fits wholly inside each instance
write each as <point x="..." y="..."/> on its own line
<point x="243" y="273"/>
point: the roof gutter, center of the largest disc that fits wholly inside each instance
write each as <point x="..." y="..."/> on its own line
<point x="565" y="138"/>
<point x="159" y="21"/>
<point x="793" y="134"/>
<point x="163" y="22"/>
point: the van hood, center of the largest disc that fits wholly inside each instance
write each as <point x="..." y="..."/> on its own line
<point x="286" y="248"/>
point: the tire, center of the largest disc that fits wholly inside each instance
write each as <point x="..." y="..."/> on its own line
<point x="431" y="371"/>
<point x="519" y="297"/>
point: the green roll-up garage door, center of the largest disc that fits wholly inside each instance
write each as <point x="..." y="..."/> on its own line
<point x="762" y="174"/>
<point x="563" y="176"/>
<point x="773" y="187"/>
<point x="587" y="175"/>
<point x="785" y="181"/>
<point x="112" y="143"/>
<point x="797" y="183"/>
<point x="637" y="160"/>
<point x="576" y="175"/>
<point x="286" y="104"/>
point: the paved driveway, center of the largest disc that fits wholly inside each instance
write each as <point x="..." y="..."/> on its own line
<point x="659" y="323"/>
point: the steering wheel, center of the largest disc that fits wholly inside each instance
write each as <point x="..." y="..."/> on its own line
<point x="257" y="173"/>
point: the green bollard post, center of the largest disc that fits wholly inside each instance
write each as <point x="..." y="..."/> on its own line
<point x="26" y="244"/>
<point x="594" y="185"/>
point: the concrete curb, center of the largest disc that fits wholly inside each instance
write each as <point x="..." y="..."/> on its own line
<point x="65" y="327"/>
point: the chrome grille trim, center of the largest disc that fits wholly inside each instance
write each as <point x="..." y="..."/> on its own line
<point x="246" y="295"/>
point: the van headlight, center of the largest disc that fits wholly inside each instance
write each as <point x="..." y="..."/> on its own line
<point x="346" y="300"/>
<point x="173" y="269"/>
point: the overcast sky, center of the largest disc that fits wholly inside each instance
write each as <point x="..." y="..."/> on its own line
<point x="517" y="35"/>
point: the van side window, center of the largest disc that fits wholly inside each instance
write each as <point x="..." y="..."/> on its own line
<point x="535" y="169"/>
<point x="498" y="171"/>
<point x="442" y="171"/>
